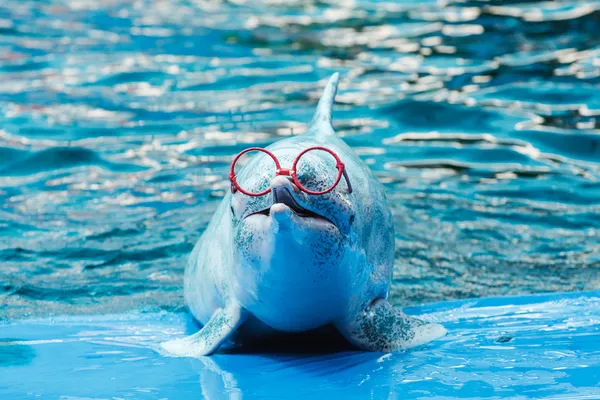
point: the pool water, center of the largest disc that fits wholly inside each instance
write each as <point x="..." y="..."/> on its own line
<point x="119" y="118"/>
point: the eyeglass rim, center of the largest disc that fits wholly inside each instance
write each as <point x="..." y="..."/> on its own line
<point x="233" y="176"/>
<point x="293" y="173"/>
<point x="338" y="164"/>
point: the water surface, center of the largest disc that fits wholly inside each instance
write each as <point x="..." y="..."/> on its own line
<point x="118" y="121"/>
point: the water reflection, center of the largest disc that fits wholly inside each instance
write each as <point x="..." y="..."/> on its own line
<point x="492" y="350"/>
<point x="544" y="346"/>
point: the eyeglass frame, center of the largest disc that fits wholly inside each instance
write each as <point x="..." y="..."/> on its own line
<point x="235" y="186"/>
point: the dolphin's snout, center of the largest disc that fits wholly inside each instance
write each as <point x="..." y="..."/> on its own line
<point x="283" y="201"/>
<point x="283" y="195"/>
<point x="282" y="189"/>
<point x="282" y="182"/>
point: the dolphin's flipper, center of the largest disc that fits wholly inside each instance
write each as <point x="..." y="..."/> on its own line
<point x="223" y="323"/>
<point x="381" y="327"/>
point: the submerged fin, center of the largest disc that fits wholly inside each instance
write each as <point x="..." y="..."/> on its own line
<point x="321" y="122"/>
<point x="205" y="342"/>
<point x="381" y="327"/>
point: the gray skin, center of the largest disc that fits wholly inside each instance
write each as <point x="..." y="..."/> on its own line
<point x="290" y="261"/>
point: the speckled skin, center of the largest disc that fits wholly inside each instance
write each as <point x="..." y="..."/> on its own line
<point x="291" y="273"/>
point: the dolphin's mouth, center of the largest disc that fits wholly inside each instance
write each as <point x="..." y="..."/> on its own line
<point x="282" y="195"/>
<point x="301" y="212"/>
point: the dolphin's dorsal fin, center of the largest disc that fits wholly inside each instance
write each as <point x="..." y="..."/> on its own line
<point x="321" y="122"/>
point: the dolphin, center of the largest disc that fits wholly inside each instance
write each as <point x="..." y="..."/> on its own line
<point x="292" y="261"/>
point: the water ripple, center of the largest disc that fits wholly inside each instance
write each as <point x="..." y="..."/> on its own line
<point x="119" y="120"/>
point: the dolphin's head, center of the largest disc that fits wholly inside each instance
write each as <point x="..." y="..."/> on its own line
<point x="287" y="207"/>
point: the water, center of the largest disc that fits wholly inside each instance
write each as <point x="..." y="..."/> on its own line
<point x="520" y="348"/>
<point x="118" y="121"/>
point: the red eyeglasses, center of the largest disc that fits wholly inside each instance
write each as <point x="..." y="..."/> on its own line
<point x="341" y="170"/>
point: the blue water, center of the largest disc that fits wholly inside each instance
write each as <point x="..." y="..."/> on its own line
<point x="119" y="118"/>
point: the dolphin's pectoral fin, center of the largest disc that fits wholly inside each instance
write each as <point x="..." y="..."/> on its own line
<point x="223" y="323"/>
<point x="381" y="327"/>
